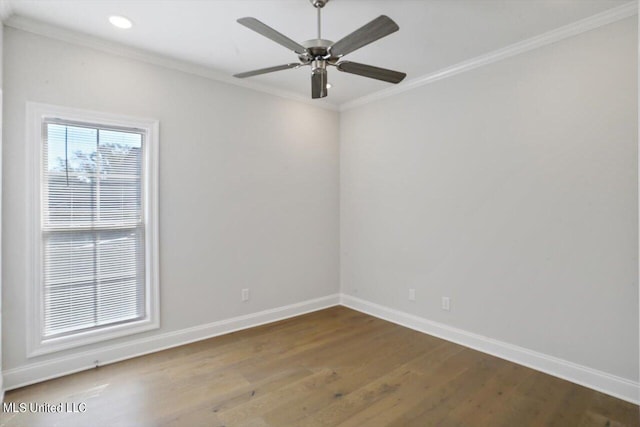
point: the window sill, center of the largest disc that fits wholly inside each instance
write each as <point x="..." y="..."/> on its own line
<point x="54" y="345"/>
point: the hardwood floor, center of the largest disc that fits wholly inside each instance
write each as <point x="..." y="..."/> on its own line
<point x="335" y="367"/>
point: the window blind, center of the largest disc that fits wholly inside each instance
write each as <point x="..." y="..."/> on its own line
<point x="92" y="227"/>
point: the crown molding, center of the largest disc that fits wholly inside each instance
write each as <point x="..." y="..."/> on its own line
<point x="37" y="27"/>
<point x="81" y="39"/>
<point x="6" y="10"/>
<point x="607" y="17"/>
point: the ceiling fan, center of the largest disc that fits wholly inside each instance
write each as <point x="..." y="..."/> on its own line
<point x="320" y="53"/>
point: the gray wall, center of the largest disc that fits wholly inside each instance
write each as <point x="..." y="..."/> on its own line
<point x="1" y="187"/>
<point x="248" y="195"/>
<point x="512" y="189"/>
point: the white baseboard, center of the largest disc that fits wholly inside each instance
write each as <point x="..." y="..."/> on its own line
<point x="45" y="370"/>
<point x="621" y="388"/>
<point x="601" y="381"/>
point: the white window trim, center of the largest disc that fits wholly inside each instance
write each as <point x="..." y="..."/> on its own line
<point x="36" y="114"/>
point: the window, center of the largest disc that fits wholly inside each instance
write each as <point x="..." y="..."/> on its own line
<point x="94" y="228"/>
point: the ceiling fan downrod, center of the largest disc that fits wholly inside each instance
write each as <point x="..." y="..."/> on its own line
<point x="319" y="4"/>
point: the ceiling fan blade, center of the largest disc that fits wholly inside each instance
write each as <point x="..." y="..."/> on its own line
<point x="319" y="83"/>
<point x="371" y="71"/>
<point x="380" y="27"/>
<point x="266" y="70"/>
<point x="270" y="33"/>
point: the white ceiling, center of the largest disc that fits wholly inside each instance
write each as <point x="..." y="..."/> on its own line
<point x="434" y="34"/>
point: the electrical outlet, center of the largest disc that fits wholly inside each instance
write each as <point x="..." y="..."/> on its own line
<point x="245" y="295"/>
<point x="446" y="303"/>
<point x="412" y="294"/>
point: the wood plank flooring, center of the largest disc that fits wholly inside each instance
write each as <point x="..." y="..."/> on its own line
<point x="335" y="367"/>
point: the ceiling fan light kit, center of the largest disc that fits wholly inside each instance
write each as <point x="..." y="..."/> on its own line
<point x="319" y="53"/>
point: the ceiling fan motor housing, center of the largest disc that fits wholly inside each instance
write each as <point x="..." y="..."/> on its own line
<point x="317" y="49"/>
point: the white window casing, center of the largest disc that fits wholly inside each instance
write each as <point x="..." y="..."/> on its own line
<point x="92" y="186"/>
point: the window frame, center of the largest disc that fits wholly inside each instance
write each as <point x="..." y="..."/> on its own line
<point x="36" y="114"/>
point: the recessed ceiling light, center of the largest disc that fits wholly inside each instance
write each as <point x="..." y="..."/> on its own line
<point x="120" y="22"/>
<point x="328" y="85"/>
